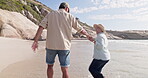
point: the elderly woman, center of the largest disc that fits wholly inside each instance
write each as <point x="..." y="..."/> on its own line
<point x="101" y="54"/>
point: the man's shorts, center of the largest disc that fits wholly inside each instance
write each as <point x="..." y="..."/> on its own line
<point x="63" y="55"/>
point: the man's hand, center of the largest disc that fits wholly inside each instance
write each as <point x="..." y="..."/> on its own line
<point x="90" y="38"/>
<point x="37" y="36"/>
<point x="94" y="42"/>
<point x="34" y="46"/>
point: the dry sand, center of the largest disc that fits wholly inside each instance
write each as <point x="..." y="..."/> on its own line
<point x="17" y="60"/>
<point x="13" y="50"/>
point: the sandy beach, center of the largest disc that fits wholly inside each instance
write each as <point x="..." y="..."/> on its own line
<point x="128" y="59"/>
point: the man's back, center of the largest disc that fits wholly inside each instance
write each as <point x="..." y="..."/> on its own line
<point x="59" y="29"/>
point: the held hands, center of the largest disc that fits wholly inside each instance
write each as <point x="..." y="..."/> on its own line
<point x="90" y="38"/>
<point x="34" y="46"/>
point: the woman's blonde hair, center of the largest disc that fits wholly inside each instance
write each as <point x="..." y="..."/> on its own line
<point x="100" y="26"/>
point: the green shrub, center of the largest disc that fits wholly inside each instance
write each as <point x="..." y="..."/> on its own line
<point x="34" y="13"/>
<point x="11" y="5"/>
<point x="17" y="6"/>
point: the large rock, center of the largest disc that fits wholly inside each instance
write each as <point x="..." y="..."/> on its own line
<point x="13" y="24"/>
<point x="30" y="16"/>
<point x="44" y="12"/>
<point x="37" y="9"/>
<point x="23" y="2"/>
<point x="9" y="31"/>
<point x="1" y="24"/>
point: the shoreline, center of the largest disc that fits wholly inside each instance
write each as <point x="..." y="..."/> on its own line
<point x="32" y="65"/>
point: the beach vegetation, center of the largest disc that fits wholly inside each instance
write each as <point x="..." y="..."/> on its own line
<point x="11" y="5"/>
<point x="33" y="12"/>
<point x="17" y="6"/>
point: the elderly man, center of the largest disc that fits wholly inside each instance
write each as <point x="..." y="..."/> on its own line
<point x="59" y="26"/>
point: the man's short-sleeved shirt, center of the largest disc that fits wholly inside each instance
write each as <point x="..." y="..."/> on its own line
<point x="59" y="26"/>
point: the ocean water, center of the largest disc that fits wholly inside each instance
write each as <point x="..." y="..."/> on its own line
<point x="129" y="59"/>
<point x="130" y="45"/>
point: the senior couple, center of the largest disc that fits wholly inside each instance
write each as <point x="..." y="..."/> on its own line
<point x="59" y="26"/>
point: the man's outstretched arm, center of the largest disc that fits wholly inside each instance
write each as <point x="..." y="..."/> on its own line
<point x="37" y="36"/>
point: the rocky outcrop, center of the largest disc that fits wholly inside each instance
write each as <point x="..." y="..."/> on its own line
<point x="23" y="2"/>
<point x="32" y="9"/>
<point x="37" y="9"/>
<point x="88" y="28"/>
<point x="115" y="35"/>
<point x="35" y="13"/>
<point x="18" y="25"/>
<point x="1" y="24"/>
<point x="44" y="12"/>
<point x="130" y="34"/>
<point x="30" y="16"/>
<point x="15" y="25"/>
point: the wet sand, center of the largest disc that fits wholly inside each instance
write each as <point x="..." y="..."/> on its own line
<point x="125" y="62"/>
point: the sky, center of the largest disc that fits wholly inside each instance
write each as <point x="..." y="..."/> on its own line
<point x="113" y="14"/>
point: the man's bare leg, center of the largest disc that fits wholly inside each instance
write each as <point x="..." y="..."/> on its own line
<point x="65" y="72"/>
<point x="50" y="71"/>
